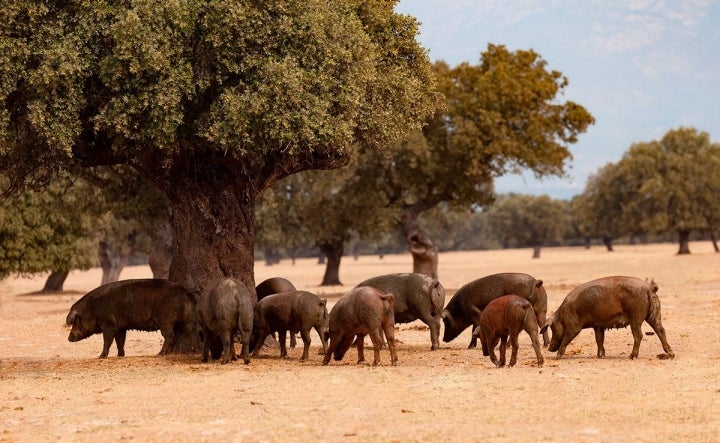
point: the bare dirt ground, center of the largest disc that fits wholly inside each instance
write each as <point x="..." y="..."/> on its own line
<point x="51" y="389"/>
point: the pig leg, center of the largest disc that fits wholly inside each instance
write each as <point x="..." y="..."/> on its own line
<point x="228" y="353"/>
<point x="390" y="334"/>
<point x="637" y="338"/>
<point x="293" y="339"/>
<point x="531" y="328"/>
<point x="474" y="314"/>
<point x="282" y="336"/>
<point x="360" y="341"/>
<point x="320" y="333"/>
<point x="333" y="344"/>
<point x="108" y="337"/>
<point x="120" y="342"/>
<point x="515" y="346"/>
<point x="305" y="335"/>
<point x="660" y="332"/>
<point x="434" y="330"/>
<point x="169" y="336"/>
<point x="206" y="345"/>
<point x="600" y="340"/>
<point x="377" y="343"/>
<point x="245" y="351"/>
<point x="503" y="350"/>
<point x="492" y="342"/>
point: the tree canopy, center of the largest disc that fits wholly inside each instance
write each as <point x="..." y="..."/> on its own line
<point x="212" y="101"/>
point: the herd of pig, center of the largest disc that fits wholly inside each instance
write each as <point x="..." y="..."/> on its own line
<point x="497" y="307"/>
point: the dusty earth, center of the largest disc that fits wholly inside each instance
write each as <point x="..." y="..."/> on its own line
<point x="51" y="389"/>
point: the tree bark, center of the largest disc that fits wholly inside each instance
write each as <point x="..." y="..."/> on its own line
<point x="161" y="252"/>
<point x="55" y="282"/>
<point x="607" y="241"/>
<point x="423" y="249"/>
<point x="332" y="250"/>
<point x="111" y="262"/>
<point x="213" y="234"/>
<point x="536" y="251"/>
<point x="713" y="239"/>
<point x="684" y="241"/>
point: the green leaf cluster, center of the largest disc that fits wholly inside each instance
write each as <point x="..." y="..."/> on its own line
<point x="528" y="220"/>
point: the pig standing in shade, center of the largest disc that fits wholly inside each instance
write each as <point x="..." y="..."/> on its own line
<point x="143" y="304"/>
<point x="224" y="308"/>
<point x="362" y="311"/>
<point x="610" y="302"/>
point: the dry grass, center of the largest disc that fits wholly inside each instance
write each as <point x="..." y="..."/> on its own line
<point x="51" y="389"/>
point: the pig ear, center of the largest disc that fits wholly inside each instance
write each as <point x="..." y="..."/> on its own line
<point x="538" y="283"/>
<point x="547" y="324"/>
<point x="71" y="317"/>
<point x="323" y="302"/>
<point x="653" y="286"/>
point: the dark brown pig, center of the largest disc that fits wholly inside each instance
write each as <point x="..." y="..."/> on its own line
<point x="417" y="296"/>
<point x="295" y="311"/>
<point x="273" y="285"/>
<point x="610" y="302"/>
<point x="143" y="304"/>
<point x="225" y="308"/>
<point x="466" y="306"/>
<point x="362" y="311"/>
<point x="505" y="317"/>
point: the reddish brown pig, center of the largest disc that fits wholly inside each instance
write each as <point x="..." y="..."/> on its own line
<point x="505" y="317"/>
<point x="276" y="285"/>
<point x="610" y="302"/>
<point x="362" y="311"/>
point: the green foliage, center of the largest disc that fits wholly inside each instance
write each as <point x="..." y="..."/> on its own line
<point x="265" y="89"/>
<point x="599" y="210"/>
<point x="528" y="220"/>
<point x="49" y="230"/>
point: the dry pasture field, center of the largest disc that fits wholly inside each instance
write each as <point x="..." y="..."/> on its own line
<point x="51" y="389"/>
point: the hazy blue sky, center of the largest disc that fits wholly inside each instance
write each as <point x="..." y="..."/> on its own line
<point x="640" y="67"/>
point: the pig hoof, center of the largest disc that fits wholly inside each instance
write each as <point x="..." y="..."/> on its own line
<point x="246" y="361"/>
<point x="667" y="356"/>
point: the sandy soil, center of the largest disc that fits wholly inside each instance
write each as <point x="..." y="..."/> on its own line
<point x="51" y="389"/>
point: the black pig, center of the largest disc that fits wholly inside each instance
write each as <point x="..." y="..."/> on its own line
<point x="466" y="306"/>
<point x="143" y="304"/>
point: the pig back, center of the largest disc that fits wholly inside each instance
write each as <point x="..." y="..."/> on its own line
<point x="361" y="309"/>
<point x="417" y="293"/>
<point x="273" y="285"/>
<point x="478" y="293"/>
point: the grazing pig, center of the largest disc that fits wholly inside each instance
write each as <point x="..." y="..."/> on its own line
<point x="610" y="302"/>
<point x="143" y="304"/>
<point x="466" y="306"/>
<point x="503" y="317"/>
<point x="362" y="311"/>
<point x="289" y="311"/>
<point x="417" y="296"/>
<point x="224" y="308"/>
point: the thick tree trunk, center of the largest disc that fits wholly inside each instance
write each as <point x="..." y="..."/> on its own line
<point x="713" y="239"/>
<point x="607" y="241"/>
<point x="333" y="251"/>
<point x="213" y="234"/>
<point x="423" y="249"/>
<point x="536" y="251"/>
<point x="55" y="282"/>
<point x="161" y="252"/>
<point x="684" y="241"/>
<point x="113" y="262"/>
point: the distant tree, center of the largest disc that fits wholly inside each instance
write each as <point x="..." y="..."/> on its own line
<point x="211" y="101"/>
<point x="460" y="229"/>
<point x="502" y="115"/>
<point x="675" y="183"/>
<point x="599" y="209"/>
<point x="53" y="230"/>
<point x="529" y="220"/>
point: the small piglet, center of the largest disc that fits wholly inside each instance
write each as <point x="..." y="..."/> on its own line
<point x="289" y="311"/>
<point x="224" y="308"/>
<point x="141" y="304"/>
<point x="362" y="311"/>
<point x="503" y="317"/>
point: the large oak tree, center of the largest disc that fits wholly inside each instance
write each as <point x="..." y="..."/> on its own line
<point x="212" y="101"/>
